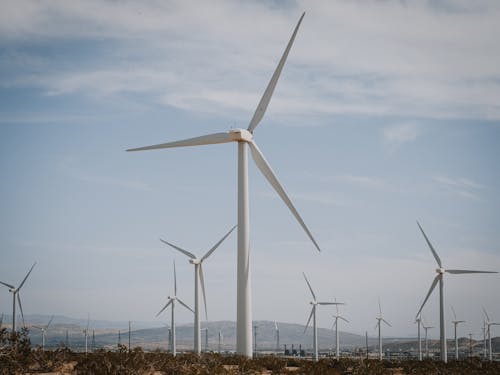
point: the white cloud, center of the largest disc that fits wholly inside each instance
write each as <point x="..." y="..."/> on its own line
<point x="464" y="187"/>
<point x="401" y="133"/>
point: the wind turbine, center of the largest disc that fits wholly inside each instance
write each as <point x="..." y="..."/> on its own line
<point x="15" y="293"/>
<point x="86" y="333"/>
<point x="171" y="301"/>
<point x="380" y="319"/>
<point x="336" y="325"/>
<point x="44" y="331"/>
<point x="418" y="320"/>
<point x="455" y="324"/>
<point x="488" y="327"/>
<point x="426" y="328"/>
<point x="440" y="277"/>
<point x="277" y="336"/>
<point x="315" y="303"/>
<point x="198" y="277"/>
<point x="244" y="138"/>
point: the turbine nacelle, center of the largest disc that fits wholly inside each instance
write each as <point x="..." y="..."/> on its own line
<point x="240" y="135"/>
<point x="440" y="270"/>
<point x="195" y="261"/>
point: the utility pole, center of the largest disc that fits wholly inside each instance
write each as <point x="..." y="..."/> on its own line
<point x="129" y="334"/>
<point x="470" y="345"/>
<point x="67" y="339"/>
<point x="366" y="341"/>
<point x="119" y="339"/>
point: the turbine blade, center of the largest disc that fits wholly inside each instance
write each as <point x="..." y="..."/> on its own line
<point x="202" y="282"/>
<point x="20" y="307"/>
<point x="186" y="306"/>
<point x="175" y="281"/>
<point x="88" y="322"/>
<point x="185" y="252"/>
<point x="486" y="315"/>
<point x="209" y="139"/>
<point x="334" y="323"/>
<point x="309" y="320"/>
<point x="50" y="321"/>
<point x="379" y="307"/>
<point x="266" y="97"/>
<point x="217" y="244"/>
<point x="386" y="322"/>
<point x="275" y="325"/>
<point x="25" y="277"/>
<point x="344" y="319"/>
<point x="436" y="256"/>
<point x="457" y="272"/>
<point x="164" y="307"/>
<point x="268" y="173"/>
<point x="309" y="285"/>
<point x="37" y="327"/>
<point x="337" y="306"/>
<point x="8" y="285"/>
<point x="330" y="303"/>
<point x="454" y="314"/>
<point x="433" y="285"/>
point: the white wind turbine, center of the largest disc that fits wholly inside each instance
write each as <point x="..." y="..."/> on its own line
<point x="312" y="315"/>
<point x="44" y="330"/>
<point x="171" y="301"/>
<point x="198" y="277"/>
<point x="418" y="320"/>
<point x="380" y="319"/>
<point x="439" y="277"/>
<point x="15" y="293"/>
<point x="426" y="328"/>
<point x="336" y="325"/>
<point x="488" y="328"/>
<point x="277" y="336"/>
<point x="244" y="138"/>
<point x="455" y="324"/>
<point x="86" y="333"/>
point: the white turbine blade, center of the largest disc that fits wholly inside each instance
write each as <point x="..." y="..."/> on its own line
<point x="266" y="97"/>
<point x="436" y="256"/>
<point x="330" y="303"/>
<point x="25" y="277"/>
<point x="309" y="320"/>
<point x="376" y="325"/>
<point x="334" y="323"/>
<point x="309" y="285"/>
<point x="468" y="271"/>
<point x="344" y="319"/>
<point x="8" y="285"/>
<point x="268" y="173"/>
<point x="50" y="321"/>
<point x="209" y="139"/>
<point x="175" y="281"/>
<point x="164" y="307"/>
<point x="37" y="327"/>
<point x="20" y="307"/>
<point x="88" y="322"/>
<point x="202" y="282"/>
<point x="185" y="252"/>
<point x="386" y="322"/>
<point x="433" y="285"/>
<point x="217" y="244"/>
<point x="186" y="306"/>
<point x="486" y="315"/>
<point x="337" y="306"/>
<point x="275" y="325"/>
<point x="453" y="311"/>
<point x="379" y="307"/>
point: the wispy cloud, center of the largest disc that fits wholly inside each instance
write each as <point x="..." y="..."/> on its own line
<point x="363" y="181"/>
<point x="436" y="61"/>
<point x="401" y="133"/>
<point x="464" y="187"/>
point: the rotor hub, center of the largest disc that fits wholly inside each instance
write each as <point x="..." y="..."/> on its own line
<point x="195" y="261"/>
<point x="440" y="270"/>
<point x="240" y="135"/>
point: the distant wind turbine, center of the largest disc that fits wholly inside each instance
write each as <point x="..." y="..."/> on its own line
<point x="418" y="320"/>
<point x="277" y="336"/>
<point x="15" y="293"/>
<point x="198" y="277"/>
<point x="244" y="138"/>
<point x="426" y="328"/>
<point x="455" y="324"/>
<point x="44" y="330"/>
<point x="488" y="327"/>
<point x="171" y="301"/>
<point x="336" y="325"/>
<point x="440" y="277"/>
<point x="380" y="319"/>
<point x="314" y="304"/>
<point x="86" y="333"/>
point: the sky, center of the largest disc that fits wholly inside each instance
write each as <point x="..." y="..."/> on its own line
<point x="386" y="113"/>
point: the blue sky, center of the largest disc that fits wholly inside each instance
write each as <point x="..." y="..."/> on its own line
<point x="386" y="112"/>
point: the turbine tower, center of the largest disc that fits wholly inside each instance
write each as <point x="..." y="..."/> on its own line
<point x="277" y="336"/>
<point x="198" y="277"/>
<point x="426" y="328"/>
<point x="455" y="324"/>
<point x="418" y="320"/>
<point x="44" y="331"/>
<point x="380" y="319"/>
<point x="86" y="333"/>
<point x="336" y="325"/>
<point x="15" y="293"/>
<point x="171" y="301"/>
<point x="315" y="303"/>
<point x="440" y="277"/>
<point x="488" y="328"/>
<point x="244" y="138"/>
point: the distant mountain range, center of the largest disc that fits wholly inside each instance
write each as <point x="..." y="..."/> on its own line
<point x="149" y="336"/>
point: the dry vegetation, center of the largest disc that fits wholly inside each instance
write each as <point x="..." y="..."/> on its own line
<point x="17" y="357"/>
